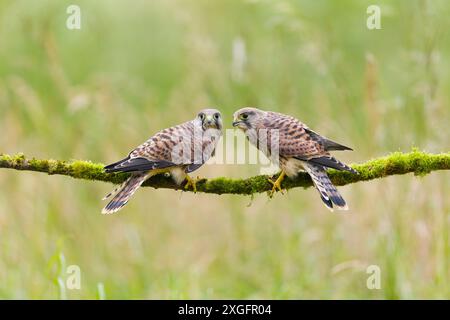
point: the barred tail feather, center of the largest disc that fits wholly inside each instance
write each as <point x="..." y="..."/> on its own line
<point x="328" y="192"/>
<point x="124" y="192"/>
<point x="115" y="190"/>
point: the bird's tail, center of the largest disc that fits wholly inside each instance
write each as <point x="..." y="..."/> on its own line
<point x="328" y="192"/>
<point x="124" y="192"/>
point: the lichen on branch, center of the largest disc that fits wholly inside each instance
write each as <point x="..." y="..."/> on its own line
<point x="417" y="162"/>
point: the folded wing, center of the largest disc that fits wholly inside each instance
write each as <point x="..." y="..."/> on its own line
<point x="137" y="164"/>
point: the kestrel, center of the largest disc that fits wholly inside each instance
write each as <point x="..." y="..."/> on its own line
<point x="178" y="150"/>
<point x="298" y="148"/>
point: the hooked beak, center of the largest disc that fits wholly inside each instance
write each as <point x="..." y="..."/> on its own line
<point x="209" y="122"/>
<point x="237" y="123"/>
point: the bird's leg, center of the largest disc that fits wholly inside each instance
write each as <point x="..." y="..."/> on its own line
<point x="191" y="182"/>
<point x="277" y="183"/>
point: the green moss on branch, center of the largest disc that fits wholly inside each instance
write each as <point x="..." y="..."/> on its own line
<point x="419" y="163"/>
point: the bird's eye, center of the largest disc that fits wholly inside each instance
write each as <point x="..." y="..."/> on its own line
<point x="202" y="116"/>
<point x="216" y="116"/>
<point x="244" y="116"/>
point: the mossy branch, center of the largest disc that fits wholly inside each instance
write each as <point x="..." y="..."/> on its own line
<point x="419" y="163"/>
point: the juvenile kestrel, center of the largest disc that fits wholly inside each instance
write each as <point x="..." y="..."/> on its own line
<point x="298" y="148"/>
<point x="178" y="150"/>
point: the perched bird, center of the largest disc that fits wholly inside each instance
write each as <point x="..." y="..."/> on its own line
<point x="297" y="147"/>
<point x="178" y="150"/>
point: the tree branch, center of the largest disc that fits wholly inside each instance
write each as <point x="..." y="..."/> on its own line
<point x="417" y="162"/>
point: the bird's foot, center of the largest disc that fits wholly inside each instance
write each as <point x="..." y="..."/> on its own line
<point x="276" y="185"/>
<point x="191" y="183"/>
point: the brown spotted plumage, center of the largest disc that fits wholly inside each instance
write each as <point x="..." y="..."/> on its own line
<point x="294" y="147"/>
<point x="178" y="150"/>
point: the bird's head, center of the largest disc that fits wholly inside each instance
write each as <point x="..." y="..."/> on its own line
<point x="248" y="118"/>
<point x="210" y="119"/>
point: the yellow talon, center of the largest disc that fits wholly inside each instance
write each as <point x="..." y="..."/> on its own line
<point x="191" y="183"/>
<point x="277" y="184"/>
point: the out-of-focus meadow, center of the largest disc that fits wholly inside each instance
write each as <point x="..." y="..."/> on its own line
<point x="136" y="67"/>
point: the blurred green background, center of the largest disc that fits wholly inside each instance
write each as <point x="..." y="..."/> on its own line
<point x="136" y="67"/>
